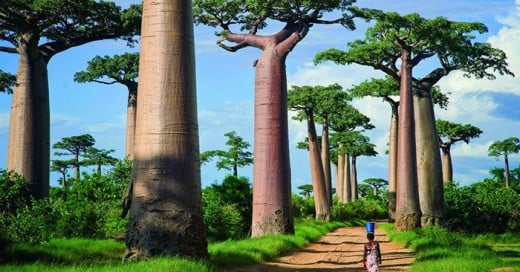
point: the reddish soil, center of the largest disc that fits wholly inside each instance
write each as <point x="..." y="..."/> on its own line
<point x="340" y="250"/>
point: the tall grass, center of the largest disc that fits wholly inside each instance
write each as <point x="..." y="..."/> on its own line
<point x="437" y="249"/>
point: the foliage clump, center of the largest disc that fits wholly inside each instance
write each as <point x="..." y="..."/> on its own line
<point x="483" y="207"/>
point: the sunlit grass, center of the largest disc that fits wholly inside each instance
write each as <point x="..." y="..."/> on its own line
<point x="257" y="250"/>
<point x="437" y="249"/>
<point x="106" y="255"/>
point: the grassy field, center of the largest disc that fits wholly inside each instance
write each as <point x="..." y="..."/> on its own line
<point x="106" y="255"/>
<point x="435" y="250"/>
<point x="439" y="250"/>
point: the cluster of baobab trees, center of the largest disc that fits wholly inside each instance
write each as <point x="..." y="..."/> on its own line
<point x="165" y="185"/>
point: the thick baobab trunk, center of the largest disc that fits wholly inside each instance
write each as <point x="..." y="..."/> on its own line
<point x="392" y="163"/>
<point x="325" y="159"/>
<point x="29" y="134"/>
<point x="166" y="209"/>
<point x="340" y="177"/>
<point x="130" y="123"/>
<point x="447" y="167"/>
<point x="272" y="210"/>
<point x="353" y="180"/>
<point x="429" y="168"/>
<point x="408" y="213"/>
<point x="321" y="198"/>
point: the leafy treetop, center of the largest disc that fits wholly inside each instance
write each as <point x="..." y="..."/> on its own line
<point x="452" y="43"/>
<point x="63" y="24"/>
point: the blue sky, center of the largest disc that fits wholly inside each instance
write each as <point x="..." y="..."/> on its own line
<point x="225" y="85"/>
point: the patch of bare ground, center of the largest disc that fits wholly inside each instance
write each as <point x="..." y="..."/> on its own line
<point x="340" y="250"/>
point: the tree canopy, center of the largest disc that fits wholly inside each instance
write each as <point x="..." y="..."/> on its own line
<point x="7" y="82"/>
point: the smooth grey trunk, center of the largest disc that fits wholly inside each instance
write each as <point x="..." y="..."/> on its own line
<point x="321" y="198"/>
<point x="131" y="111"/>
<point x="166" y="207"/>
<point x="28" y="149"/>
<point x="348" y="179"/>
<point x="447" y="167"/>
<point x="392" y="161"/>
<point x="325" y="159"/>
<point x="429" y="167"/>
<point x="340" y="177"/>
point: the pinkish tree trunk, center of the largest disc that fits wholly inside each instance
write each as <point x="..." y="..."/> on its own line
<point x="408" y="213"/>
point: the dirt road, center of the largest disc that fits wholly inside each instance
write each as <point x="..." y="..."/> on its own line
<point x="340" y="250"/>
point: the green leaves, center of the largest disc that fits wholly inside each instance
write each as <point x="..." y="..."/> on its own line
<point x="64" y="24"/>
<point x="457" y="132"/>
<point x="251" y="14"/>
<point x="7" y="82"/>
<point x="508" y="146"/>
<point x="452" y="43"/>
<point x="119" y="68"/>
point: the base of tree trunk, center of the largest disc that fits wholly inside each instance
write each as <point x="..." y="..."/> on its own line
<point x="391" y="206"/>
<point x="172" y="232"/>
<point x="431" y="220"/>
<point x="279" y="223"/>
<point x="406" y="222"/>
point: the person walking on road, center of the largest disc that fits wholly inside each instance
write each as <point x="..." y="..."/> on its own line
<point x="371" y="254"/>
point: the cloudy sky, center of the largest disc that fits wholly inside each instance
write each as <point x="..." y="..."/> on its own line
<point x="225" y="86"/>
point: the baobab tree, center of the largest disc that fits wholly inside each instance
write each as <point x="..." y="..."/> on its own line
<point x="165" y="193"/>
<point x="121" y="69"/>
<point x="413" y="39"/>
<point x="272" y="212"/>
<point x="305" y="100"/>
<point x="388" y="89"/>
<point x="449" y="134"/>
<point x="37" y="31"/>
<point x="236" y="156"/>
<point x="505" y="148"/>
<point x="74" y="146"/>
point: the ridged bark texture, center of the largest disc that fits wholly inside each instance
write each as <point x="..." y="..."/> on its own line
<point x="272" y="209"/>
<point x="28" y="149"/>
<point x="166" y="209"/>
<point x="408" y="212"/>
<point x="429" y="167"/>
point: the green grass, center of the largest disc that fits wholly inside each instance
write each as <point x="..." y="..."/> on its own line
<point x="437" y="249"/>
<point x="106" y="255"/>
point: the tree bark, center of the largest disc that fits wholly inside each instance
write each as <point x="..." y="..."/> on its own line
<point x="272" y="209"/>
<point x="28" y="150"/>
<point x="340" y="178"/>
<point x="166" y="210"/>
<point x="321" y="197"/>
<point x="348" y="179"/>
<point x="353" y="180"/>
<point x="447" y="167"/>
<point x="131" y="110"/>
<point x="392" y="162"/>
<point x="408" y="213"/>
<point x="325" y="159"/>
<point x="429" y="168"/>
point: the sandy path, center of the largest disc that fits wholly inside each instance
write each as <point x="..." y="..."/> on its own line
<point x="340" y="250"/>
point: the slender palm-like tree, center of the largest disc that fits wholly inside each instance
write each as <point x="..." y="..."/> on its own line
<point x="165" y="195"/>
